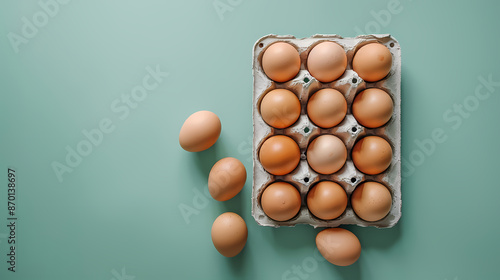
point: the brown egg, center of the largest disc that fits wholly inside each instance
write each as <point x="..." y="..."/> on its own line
<point x="226" y="179"/>
<point x="327" y="200"/>
<point x="229" y="234"/>
<point x="372" y="62"/>
<point x="200" y="131"/>
<point x="327" y="107"/>
<point x="280" y="201"/>
<point x="281" y="62"/>
<point x="338" y="246"/>
<point x="326" y="154"/>
<point x="372" y="155"/>
<point x="279" y="155"/>
<point x="371" y="201"/>
<point x="372" y="107"/>
<point x="327" y="61"/>
<point x="280" y="108"/>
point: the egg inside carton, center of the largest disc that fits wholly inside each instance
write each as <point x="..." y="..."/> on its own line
<point x="303" y="131"/>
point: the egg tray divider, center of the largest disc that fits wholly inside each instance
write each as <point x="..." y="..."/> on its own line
<point x="349" y="130"/>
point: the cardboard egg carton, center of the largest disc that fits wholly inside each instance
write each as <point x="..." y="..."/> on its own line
<point x="349" y="130"/>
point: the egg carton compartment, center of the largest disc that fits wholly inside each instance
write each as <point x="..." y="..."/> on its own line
<point x="303" y="131"/>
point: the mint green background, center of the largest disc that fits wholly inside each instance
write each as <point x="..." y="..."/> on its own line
<point x="120" y="207"/>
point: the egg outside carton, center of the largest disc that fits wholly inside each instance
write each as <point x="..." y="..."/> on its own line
<point x="349" y="130"/>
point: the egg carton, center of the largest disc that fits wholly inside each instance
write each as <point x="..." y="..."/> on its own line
<point x="349" y="130"/>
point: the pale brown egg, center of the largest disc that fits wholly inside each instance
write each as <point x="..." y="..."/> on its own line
<point x="327" y="61"/>
<point x="200" y="131"/>
<point x="372" y="107"/>
<point x="372" y="155"/>
<point x="280" y="201"/>
<point x="371" y="201"/>
<point x="226" y="179"/>
<point x="372" y="62"/>
<point x="327" y="107"/>
<point x="281" y="62"/>
<point x="338" y="246"/>
<point x="326" y="154"/>
<point x="279" y="155"/>
<point x="229" y="234"/>
<point x="280" y="108"/>
<point x="327" y="200"/>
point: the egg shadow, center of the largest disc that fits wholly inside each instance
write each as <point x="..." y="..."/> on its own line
<point x="378" y="238"/>
<point x="236" y="204"/>
<point x="204" y="160"/>
<point x="351" y="272"/>
<point x="291" y="238"/>
<point x="408" y="98"/>
<point x="369" y="237"/>
<point x="239" y="264"/>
